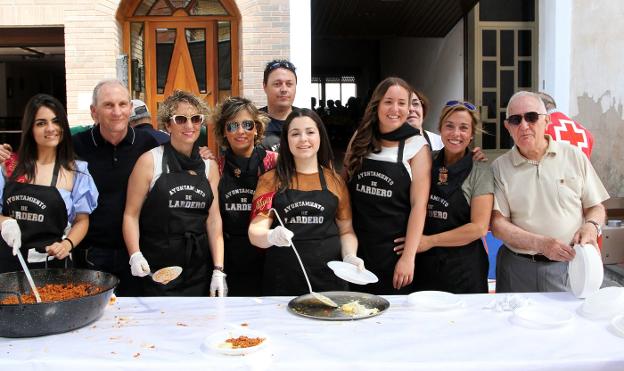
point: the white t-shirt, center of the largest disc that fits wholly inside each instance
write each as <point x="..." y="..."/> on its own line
<point x="436" y="141"/>
<point x="389" y="154"/>
<point x="157" y="155"/>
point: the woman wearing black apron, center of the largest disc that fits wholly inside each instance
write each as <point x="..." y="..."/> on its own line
<point x="239" y="128"/>
<point x="388" y="170"/>
<point x="171" y="216"/>
<point x="48" y="195"/>
<point x="313" y="203"/>
<point x="451" y="256"/>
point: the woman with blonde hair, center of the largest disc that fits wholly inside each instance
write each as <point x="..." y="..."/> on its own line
<point x="172" y="216"/>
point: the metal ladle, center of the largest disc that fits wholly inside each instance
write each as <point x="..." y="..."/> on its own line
<point x="28" y="276"/>
<point x="166" y="274"/>
<point x="320" y="297"/>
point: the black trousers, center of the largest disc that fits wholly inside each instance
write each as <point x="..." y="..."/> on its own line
<point x="110" y="260"/>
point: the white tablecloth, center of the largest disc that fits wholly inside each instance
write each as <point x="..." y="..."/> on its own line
<point x="167" y="333"/>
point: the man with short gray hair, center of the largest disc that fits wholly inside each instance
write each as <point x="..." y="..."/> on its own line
<point x="548" y="198"/>
<point x="140" y="119"/>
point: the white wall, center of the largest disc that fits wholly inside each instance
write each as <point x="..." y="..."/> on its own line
<point x="301" y="48"/>
<point x="432" y="65"/>
<point x="555" y="48"/>
<point x="597" y="84"/>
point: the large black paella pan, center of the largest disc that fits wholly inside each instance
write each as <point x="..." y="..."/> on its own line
<point x="26" y="320"/>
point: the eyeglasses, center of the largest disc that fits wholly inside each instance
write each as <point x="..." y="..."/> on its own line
<point x="247" y="125"/>
<point x="280" y="64"/>
<point x="530" y="117"/>
<point x="468" y="105"/>
<point x="181" y="119"/>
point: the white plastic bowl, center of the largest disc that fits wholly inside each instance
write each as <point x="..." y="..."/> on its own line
<point x="604" y="304"/>
<point x="586" y="271"/>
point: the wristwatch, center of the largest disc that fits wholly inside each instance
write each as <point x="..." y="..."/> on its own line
<point x="597" y="225"/>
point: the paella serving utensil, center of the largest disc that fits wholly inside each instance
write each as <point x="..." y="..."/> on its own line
<point x="320" y="297"/>
<point x="29" y="277"/>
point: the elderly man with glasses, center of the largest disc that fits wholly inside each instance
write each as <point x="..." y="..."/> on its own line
<point x="280" y="86"/>
<point x="548" y="198"/>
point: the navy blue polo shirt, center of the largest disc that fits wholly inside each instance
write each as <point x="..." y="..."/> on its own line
<point x="110" y="166"/>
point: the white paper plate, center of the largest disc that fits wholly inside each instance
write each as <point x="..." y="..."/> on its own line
<point x="586" y="271"/>
<point x="603" y="304"/>
<point x="434" y="300"/>
<point x="618" y="325"/>
<point x="542" y="316"/>
<point x="350" y="273"/>
<point x="216" y="343"/>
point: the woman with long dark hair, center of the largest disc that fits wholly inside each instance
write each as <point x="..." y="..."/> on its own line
<point x="172" y="215"/>
<point x="313" y="202"/>
<point x="388" y="168"/>
<point x="239" y="129"/>
<point x="48" y="194"/>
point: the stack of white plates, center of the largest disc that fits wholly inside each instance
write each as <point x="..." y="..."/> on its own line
<point x="586" y="271"/>
<point x="618" y="325"/>
<point x="350" y="273"/>
<point x="541" y="316"/>
<point x="604" y="304"/>
<point x="434" y="300"/>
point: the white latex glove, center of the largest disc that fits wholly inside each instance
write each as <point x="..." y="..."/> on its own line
<point x="280" y="236"/>
<point x="11" y="234"/>
<point x="138" y="265"/>
<point x="218" y="286"/>
<point x="352" y="259"/>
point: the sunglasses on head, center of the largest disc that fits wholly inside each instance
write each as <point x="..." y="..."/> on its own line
<point x="247" y="125"/>
<point x="468" y="105"/>
<point x="530" y="117"/>
<point x="281" y="64"/>
<point x="181" y="119"/>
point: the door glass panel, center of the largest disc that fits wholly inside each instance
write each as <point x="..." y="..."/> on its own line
<point x="489" y="74"/>
<point x="489" y="137"/>
<point x="165" y="41"/>
<point x="505" y="138"/>
<point x="489" y="43"/>
<point x="161" y="8"/>
<point x="224" y="51"/>
<point x="196" y="40"/>
<point x="489" y="101"/>
<point x="136" y="60"/>
<point x="208" y="7"/>
<point x="507" y="48"/>
<point x="524" y="43"/>
<point x="507" y="10"/>
<point x="179" y="3"/>
<point x="506" y="87"/>
<point x="144" y="7"/>
<point x="524" y="74"/>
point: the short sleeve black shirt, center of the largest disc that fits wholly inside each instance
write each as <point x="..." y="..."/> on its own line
<point x="110" y="166"/>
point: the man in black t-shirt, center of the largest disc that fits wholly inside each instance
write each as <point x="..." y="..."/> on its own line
<point x="280" y="86"/>
<point x="111" y="148"/>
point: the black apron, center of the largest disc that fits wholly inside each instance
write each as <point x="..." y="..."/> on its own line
<point x="311" y="216"/>
<point x="461" y="269"/>
<point x="243" y="261"/>
<point x="173" y="232"/>
<point x="42" y="217"/>
<point x="380" y="200"/>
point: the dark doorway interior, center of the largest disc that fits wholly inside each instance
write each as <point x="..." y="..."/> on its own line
<point x="32" y="60"/>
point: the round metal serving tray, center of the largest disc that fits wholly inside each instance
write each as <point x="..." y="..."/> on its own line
<point x="307" y="306"/>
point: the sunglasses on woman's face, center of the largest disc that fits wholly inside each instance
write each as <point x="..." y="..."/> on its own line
<point x="468" y="105"/>
<point x="181" y="119"/>
<point x="530" y="117"/>
<point x="232" y="127"/>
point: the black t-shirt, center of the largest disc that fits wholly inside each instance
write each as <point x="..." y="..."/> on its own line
<point x="110" y="166"/>
<point x="271" y="141"/>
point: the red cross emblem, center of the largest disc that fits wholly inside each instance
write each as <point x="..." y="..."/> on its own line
<point x="567" y="131"/>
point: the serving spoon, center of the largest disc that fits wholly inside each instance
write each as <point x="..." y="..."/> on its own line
<point x="29" y="277"/>
<point x="320" y="297"/>
<point x="166" y="274"/>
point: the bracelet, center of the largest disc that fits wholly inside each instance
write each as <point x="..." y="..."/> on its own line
<point x="70" y="242"/>
<point x="218" y="268"/>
